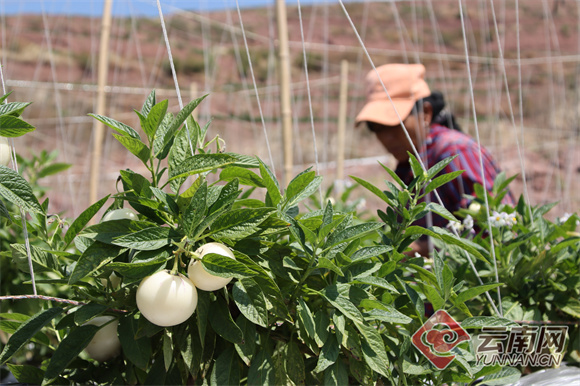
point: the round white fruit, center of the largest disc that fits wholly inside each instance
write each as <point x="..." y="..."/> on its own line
<point x="199" y="276"/>
<point x="114" y="280"/>
<point x="120" y="214"/>
<point x="105" y="344"/>
<point x="4" y="151"/>
<point x="166" y="299"/>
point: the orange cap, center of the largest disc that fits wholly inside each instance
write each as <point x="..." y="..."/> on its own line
<point x="405" y="84"/>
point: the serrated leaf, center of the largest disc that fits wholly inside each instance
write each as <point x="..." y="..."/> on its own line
<point x="195" y="211"/>
<point x="376" y="282"/>
<point x="69" y="348"/>
<point x="11" y="126"/>
<point x="224" y="266"/>
<point x="506" y="376"/>
<point x="336" y="375"/>
<point x="83" y="219"/>
<point x="149" y="103"/>
<point x="245" y="176"/>
<point x="226" y="370"/>
<point x="247" y="348"/>
<point x="180" y="118"/>
<point x="27" y="330"/>
<point x="119" y="127"/>
<point x="295" y="363"/>
<point x="227" y="196"/>
<point x="368" y="252"/>
<point x="13" y="108"/>
<point x="239" y="223"/>
<point x="147" y="239"/>
<point x="16" y="189"/>
<point x="307" y="320"/>
<point x="26" y="374"/>
<point x="135" y="146"/>
<point x="350" y="233"/>
<point x="386" y="314"/>
<point x="200" y="163"/>
<point x="487" y="321"/>
<point x="94" y="257"/>
<point x="42" y="261"/>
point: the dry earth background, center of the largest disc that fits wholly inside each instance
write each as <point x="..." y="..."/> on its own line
<point x="52" y="62"/>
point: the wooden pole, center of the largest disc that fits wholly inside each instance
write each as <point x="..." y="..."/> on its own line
<point x="285" y="107"/>
<point x="341" y="121"/>
<point x="102" y="80"/>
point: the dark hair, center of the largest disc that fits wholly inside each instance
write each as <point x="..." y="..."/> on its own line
<point x="440" y="115"/>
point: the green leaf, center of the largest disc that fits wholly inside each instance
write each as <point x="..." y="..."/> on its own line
<point x="441" y="211"/>
<point x="295" y="363"/>
<point x="53" y="169"/>
<point x="180" y="118"/>
<point x="298" y="184"/>
<point x="376" y="282"/>
<point x="442" y="180"/>
<point x="138" y="351"/>
<point x="336" y="375"/>
<point x="433" y="171"/>
<point x="394" y="176"/>
<point x="26" y="374"/>
<point x="415" y="165"/>
<point x="449" y="238"/>
<point x="342" y="303"/>
<point x="13" y="108"/>
<point x="166" y="199"/>
<point x="224" y="266"/>
<point x="475" y="291"/>
<point x="42" y="261"/>
<point x="88" y="311"/>
<point x="119" y="127"/>
<point x="228" y="195"/>
<point x="138" y="270"/>
<point x="226" y="370"/>
<point x="487" y="321"/>
<point x="69" y="348"/>
<point x="222" y="323"/>
<point x="386" y="314"/>
<point x="245" y="176"/>
<point x="251" y="301"/>
<point x="239" y="223"/>
<point x="27" y="330"/>
<point x="16" y="189"/>
<point x="506" y="376"/>
<point x="328" y="354"/>
<point x="135" y="146"/>
<point x="261" y="370"/>
<point x="11" y="126"/>
<point x="195" y="210"/>
<point x="94" y="257"/>
<point x="307" y="320"/>
<point x="247" y="348"/>
<point x="271" y="183"/>
<point x="368" y="252"/>
<point x="376" y="191"/>
<point x="373" y="349"/>
<point x="414" y="297"/>
<point x="83" y="219"/>
<point x="149" y="103"/>
<point x="571" y="307"/>
<point x="350" y="233"/>
<point x="147" y="239"/>
<point x="323" y="262"/>
<point x="154" y="118"/>
<point x="200" y="163"/>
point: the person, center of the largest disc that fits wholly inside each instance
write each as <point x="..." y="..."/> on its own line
<point x="433" y="131"/>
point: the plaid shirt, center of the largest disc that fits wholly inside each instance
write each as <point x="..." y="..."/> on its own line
<point x="441" y="143"/>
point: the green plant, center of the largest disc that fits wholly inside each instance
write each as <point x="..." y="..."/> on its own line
<point x="317" y="295"/>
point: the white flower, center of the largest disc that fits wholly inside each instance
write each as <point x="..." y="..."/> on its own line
<point x="468" y="222"/>
<point x="455" y="225"/>
<point x="564" y="218"/>
<point x="474" y="206"/>
<point x="502" y="219"/>
<point x="511" y="219"/>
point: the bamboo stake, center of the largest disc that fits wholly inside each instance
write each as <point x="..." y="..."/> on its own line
<point x="341" y="121"/>
<point x="285" y="107"/>
<point x="193" y="90"/>
<point x="102" y="80"/>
